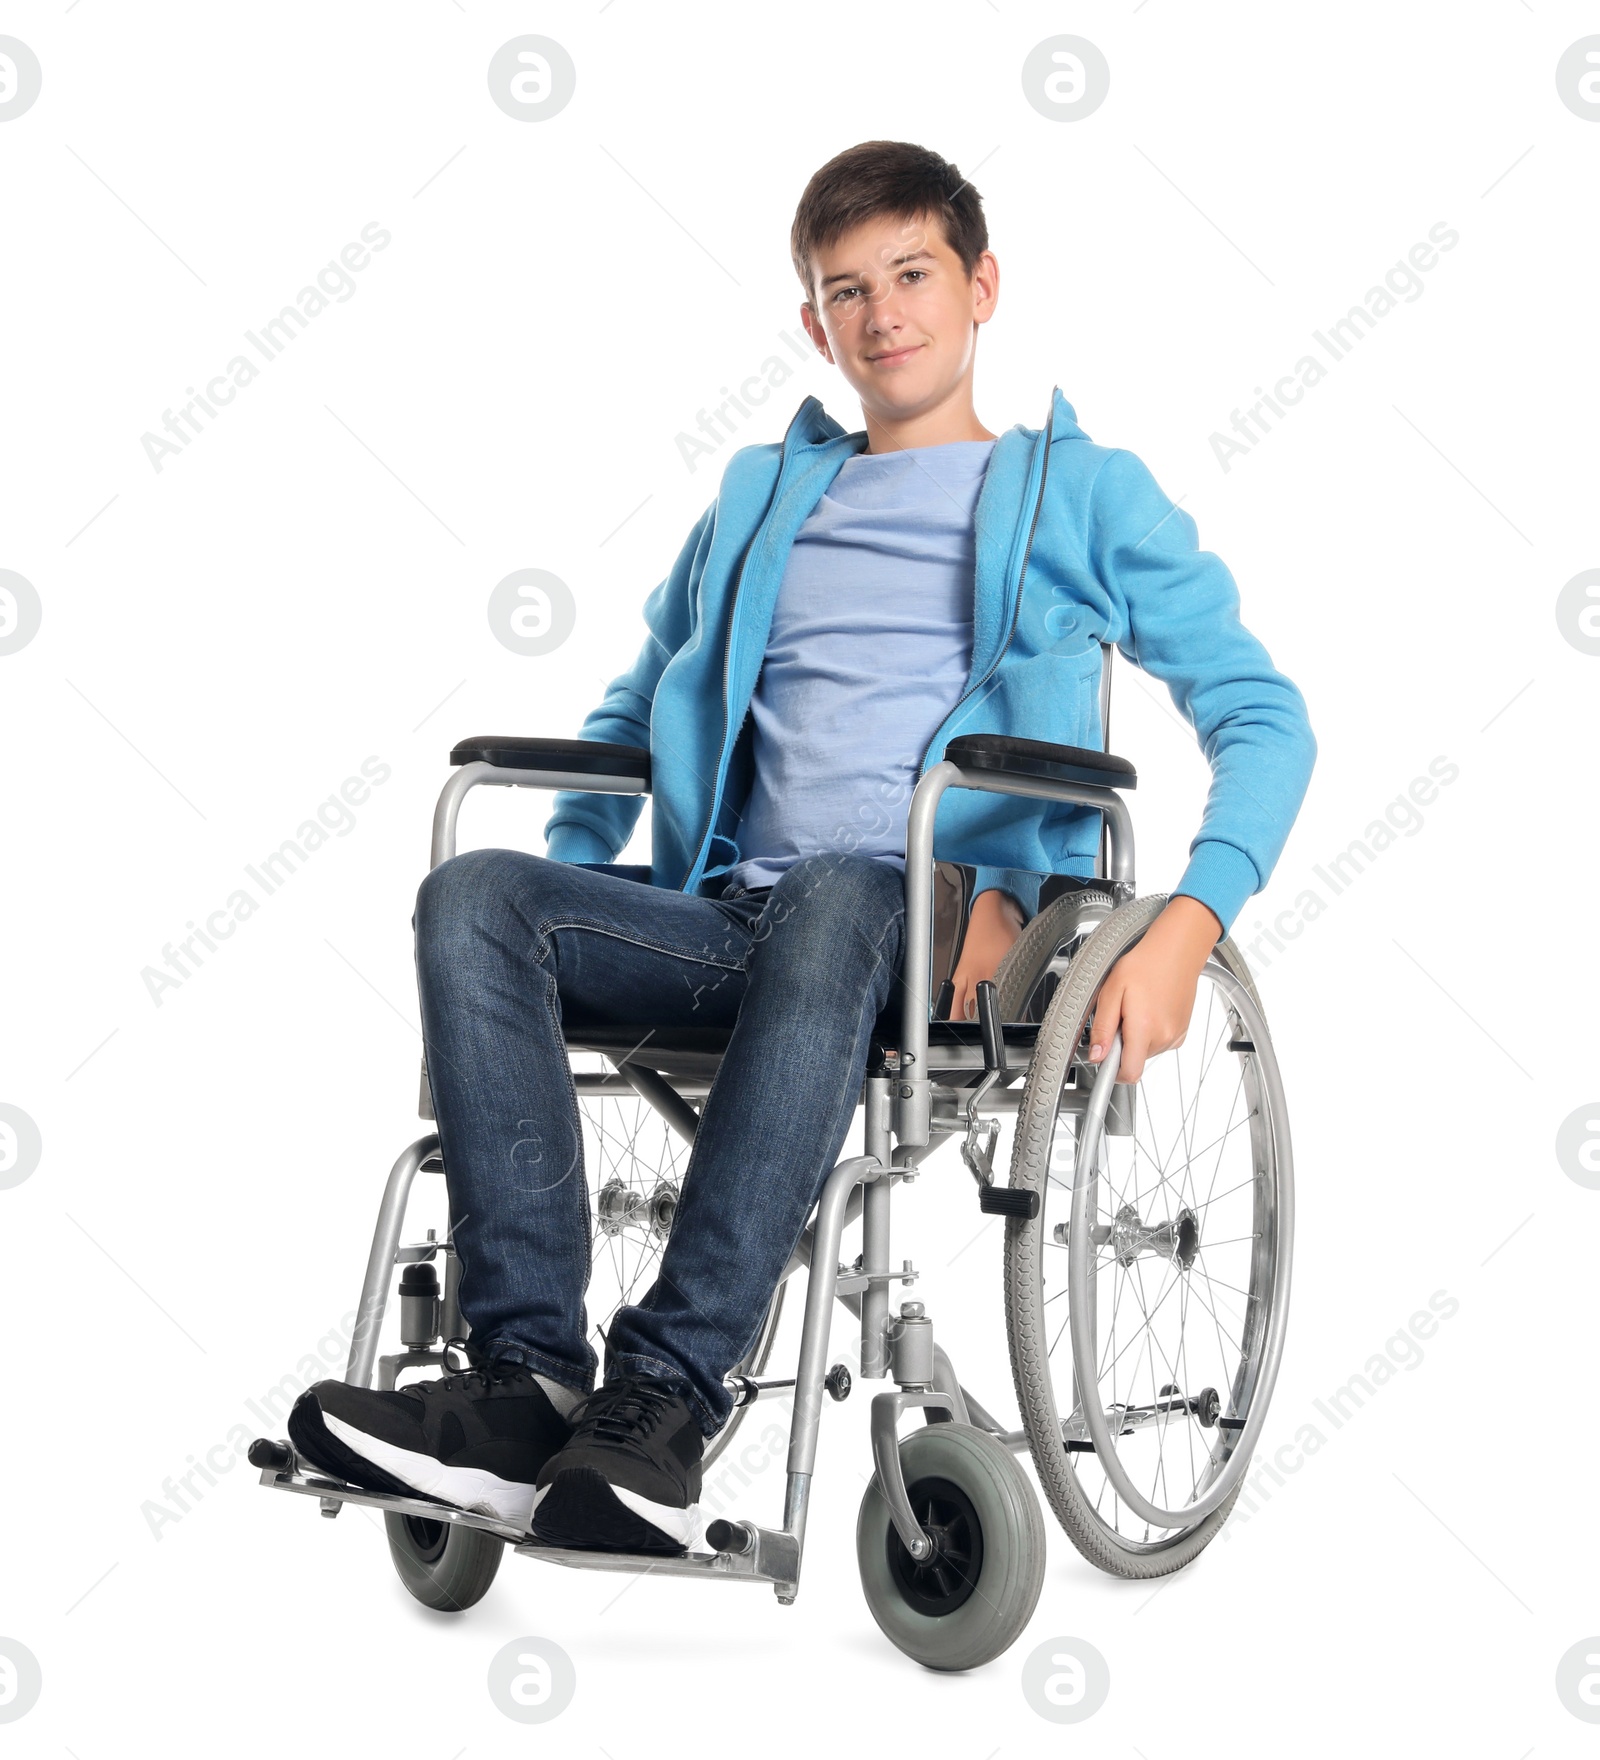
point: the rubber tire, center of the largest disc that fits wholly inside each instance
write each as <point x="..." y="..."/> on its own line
<point x="990" y="1620"/>
<point x="1031" y="953"/>
<point x="459" y="1577"/>
<point x="1024" y="965"/>
<point x="1025" y="1320"/>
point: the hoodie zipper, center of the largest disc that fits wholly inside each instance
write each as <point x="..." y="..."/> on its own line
<point x="1022" y="577"/>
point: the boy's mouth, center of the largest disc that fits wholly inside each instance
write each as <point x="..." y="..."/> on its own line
<point x="893" y="357"/>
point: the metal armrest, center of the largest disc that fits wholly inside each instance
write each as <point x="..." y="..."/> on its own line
<point x="571" y="757"/>
<point x="589" y="765"/>
<point x="1004" y="756"/>
<point x="991" y="764"/>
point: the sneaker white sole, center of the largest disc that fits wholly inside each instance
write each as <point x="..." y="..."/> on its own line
<point x="679" y="1525"/>
<point x="467" y="1488"/>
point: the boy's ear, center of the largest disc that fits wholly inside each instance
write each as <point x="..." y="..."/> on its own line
<point x="814" y="329"/>
<point x="985" y="283"/>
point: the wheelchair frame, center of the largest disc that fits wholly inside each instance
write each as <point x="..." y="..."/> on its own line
<point x="910" y="1107"/>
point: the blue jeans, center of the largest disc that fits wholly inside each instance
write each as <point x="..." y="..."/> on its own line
<point x="511" y="948"/>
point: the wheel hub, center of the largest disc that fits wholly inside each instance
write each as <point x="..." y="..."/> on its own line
<point x="1177" y="1239"/>
<point x="429" y="1538"/>
<point x="619" y="1206"/>
<point x="946" y="1578"/>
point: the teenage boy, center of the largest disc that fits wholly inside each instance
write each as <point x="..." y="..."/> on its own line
<point x="848" y="604"/>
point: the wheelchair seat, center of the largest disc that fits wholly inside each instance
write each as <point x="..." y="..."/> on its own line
<point x="694" y="1053"/>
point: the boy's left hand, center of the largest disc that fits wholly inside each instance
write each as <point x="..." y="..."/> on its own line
<point x="994" y="924"/>
<point x="1149" y="992"/>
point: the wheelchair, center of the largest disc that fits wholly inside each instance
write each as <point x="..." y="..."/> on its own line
<point x="1147" y="1240"/>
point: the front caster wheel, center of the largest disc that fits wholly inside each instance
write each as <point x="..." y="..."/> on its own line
<point x="445" y="1565"/>
<point x="972" y="1598"/>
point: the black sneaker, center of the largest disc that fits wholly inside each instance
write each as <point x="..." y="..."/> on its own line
<point x="475" y="1439"/>
<point x="629" y="1477"/>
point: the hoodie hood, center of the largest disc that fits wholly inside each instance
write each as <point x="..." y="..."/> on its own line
<point x="811" y="425"/>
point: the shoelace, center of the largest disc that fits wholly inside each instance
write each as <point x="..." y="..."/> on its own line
<point x="622" y="1414"/>
<point x="487" y="1370"/>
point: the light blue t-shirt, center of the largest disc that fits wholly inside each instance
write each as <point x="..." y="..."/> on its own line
<point x="870" y="648"/>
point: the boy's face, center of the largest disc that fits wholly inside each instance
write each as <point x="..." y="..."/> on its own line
<point x="894" y="310"/>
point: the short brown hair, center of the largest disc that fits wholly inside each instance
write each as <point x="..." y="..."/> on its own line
<point x="879" y="178"/>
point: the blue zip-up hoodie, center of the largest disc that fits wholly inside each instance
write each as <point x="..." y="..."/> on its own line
<point x="1075" y="546"/>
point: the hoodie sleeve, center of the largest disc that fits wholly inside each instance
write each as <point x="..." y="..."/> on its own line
<point x="1023" y="886"/>
<point x="593" y="827"/>
<point x="1182" y="611"/>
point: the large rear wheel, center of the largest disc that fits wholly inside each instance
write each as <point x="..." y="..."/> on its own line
<point x="1146" y="1303"/>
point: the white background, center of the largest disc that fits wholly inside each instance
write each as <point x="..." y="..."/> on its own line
<point x="225" y="641"/>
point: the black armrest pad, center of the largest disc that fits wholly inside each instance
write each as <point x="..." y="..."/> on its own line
<point x="580" y="757"/>
<point x="1036" y="757"/>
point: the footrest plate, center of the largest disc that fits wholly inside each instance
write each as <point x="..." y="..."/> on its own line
<point x="322" y="1485"/>
<point x="775" y="1558"/>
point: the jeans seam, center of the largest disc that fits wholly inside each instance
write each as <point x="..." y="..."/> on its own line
<point x="550" y="926"/>
<point x="533" y="1358"/>
<point x="574" y="1119"/>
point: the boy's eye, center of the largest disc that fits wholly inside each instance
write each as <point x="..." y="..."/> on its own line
<point x="912" y="276"/>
